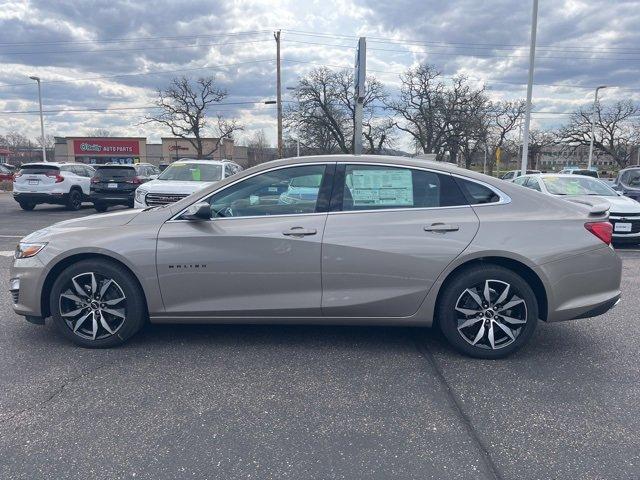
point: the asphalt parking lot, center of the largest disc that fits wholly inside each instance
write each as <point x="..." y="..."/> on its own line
<point x="316" y="402"/>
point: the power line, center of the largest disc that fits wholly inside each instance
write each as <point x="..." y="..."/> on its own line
<point x="157" y="72"/>
<point x="452" y="54"/>
<point x="135" y="39"/>
<point x="110" y="109"/>
<point x="140" y="49"/>
<point x="378" y="39"/>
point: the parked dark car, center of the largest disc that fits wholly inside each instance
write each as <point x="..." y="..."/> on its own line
<point x="6" y="173"/>
<point x="628" y="182"/>
<point x="116" y="184"/>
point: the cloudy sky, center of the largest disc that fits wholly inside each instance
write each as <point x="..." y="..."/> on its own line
<point x="113" y="54"/>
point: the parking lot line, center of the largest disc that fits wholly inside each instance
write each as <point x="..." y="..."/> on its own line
<point x="6" y="253"/>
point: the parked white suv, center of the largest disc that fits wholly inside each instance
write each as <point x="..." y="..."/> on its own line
<point x="181" y="179"/>
<point x="57" y="183"/>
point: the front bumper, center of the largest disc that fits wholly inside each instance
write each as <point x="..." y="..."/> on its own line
<point x="584" y="285"/>
<point x="26" y="282"/>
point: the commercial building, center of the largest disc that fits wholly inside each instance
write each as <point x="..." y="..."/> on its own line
<point x="92" y="150"/>
<point x="127" y="150"/>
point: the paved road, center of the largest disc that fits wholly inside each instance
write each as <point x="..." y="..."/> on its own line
<point x="316" y="402"/>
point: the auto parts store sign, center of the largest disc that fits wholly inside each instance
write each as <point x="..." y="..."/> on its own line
<point x="90" y="146"/>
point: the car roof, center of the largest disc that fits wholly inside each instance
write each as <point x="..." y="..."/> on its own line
<point x="52" y="164"/>
<point x="202" y="160"/>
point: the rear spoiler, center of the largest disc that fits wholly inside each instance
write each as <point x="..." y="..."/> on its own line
<point x="596" y="209"/>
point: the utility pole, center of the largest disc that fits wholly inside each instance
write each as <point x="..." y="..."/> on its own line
<point x="44" y="148"/>
<point x="276" y="35"/>
<point x="359" y="81"/>
<point x="593" y="124"/>
<point x="532" y="58"/>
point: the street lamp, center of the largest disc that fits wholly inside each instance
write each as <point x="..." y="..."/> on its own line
<point x="44" y="150"/>
<point x="593" y="124"/>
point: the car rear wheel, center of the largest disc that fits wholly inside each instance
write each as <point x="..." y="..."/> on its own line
<point x="27" y="206"/>
<point x="100" y="207"/>
<point x="97" y="304"/>
<point x="487" y="311"/>
<point x="74" y="202"/>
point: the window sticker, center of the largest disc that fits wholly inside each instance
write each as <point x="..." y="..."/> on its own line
<point x="382" y="187"/>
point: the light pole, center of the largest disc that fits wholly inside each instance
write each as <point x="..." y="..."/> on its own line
<point x="593" y="124"/>
<point x="532" y="58"/>
<point x="44" y="150"/>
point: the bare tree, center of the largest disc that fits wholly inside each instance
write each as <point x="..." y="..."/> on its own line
<point x="419" y="107"/>
<point x="323" y="115"/>
<point x="615" y="134"/>
<point x="539" y="140"/>
<point x="100" y="132"/>
<point x="258" y="149"/>
<point x="504" y="118"/>
<point x="183" y="109"/>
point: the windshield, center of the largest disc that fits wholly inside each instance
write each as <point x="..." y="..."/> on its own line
<point x="577" y="185"/>
<point x="192" y="172"/>
<point x="632" y="179"/>
<point x="38" y="169"/>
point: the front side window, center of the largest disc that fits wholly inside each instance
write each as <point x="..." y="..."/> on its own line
<point x="287" y="191"/>
<point x="372" y="187"/>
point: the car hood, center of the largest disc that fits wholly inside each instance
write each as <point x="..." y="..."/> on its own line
<point x="101" y="220"/>
<point x="174" y="186"/>
<point x="616" y="204"/>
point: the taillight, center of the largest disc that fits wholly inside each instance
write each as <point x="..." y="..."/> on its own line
<point x="94" y="180"/>
<point x="135" y="180"/>
<point x="54" y="174"/>
<point x="602" y="230"/>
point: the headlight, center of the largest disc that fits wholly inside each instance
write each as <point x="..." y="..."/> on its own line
<point x="26" y="250"/>
<point x="140" y="194"/>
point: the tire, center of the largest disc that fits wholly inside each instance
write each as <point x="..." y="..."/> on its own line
<point x="28" y="206"/>
<point x="74" y="201"/>
<point x="100" y="207"/>
<point x="111" y="319"/>
<point x="468" y="326"/>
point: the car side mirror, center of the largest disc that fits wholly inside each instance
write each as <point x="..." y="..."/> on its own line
<point x="198" y="211"/>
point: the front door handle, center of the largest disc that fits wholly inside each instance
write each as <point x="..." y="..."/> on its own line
<point x="441" y="227"/>
<point x="299" y="232"/>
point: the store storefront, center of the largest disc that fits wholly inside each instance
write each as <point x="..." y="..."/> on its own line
<point x="126" y="150"/>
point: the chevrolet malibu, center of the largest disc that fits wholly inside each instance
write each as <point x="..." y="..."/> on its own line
<point x="373" y="241"/>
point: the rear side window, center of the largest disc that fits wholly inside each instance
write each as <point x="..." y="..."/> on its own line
<point x="38" y="169"/>
<point x="372" y="187"/>
<point x="125" y="172"/>
<point x="533" y="184"/>
<point x="476" y="193"/>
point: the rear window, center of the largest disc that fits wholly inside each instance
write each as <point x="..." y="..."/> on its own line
<point x="115" y="172"/>
<point x="477" y="194"/>
<point x="38" y="169"/>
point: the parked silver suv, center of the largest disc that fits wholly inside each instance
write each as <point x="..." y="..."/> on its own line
<point x="334" y="239"/>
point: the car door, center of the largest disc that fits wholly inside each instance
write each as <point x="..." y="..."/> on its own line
<point x="390" y="233"/>
<point x="259" y="255"/>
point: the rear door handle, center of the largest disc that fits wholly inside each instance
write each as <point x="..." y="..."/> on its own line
<point x="441" y="227"/>
<point x="299" y="232"/>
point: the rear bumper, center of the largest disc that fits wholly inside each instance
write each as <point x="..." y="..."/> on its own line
<point x="55" y="198"/>
<point x="113" y="198"/>
<point x="583" y="286"/>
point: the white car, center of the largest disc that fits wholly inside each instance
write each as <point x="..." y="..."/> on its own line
<point x="51" y="182"/>
<point x="511" y="174"/>
<point x="181" y="179"/>
<point x="624" y="212"/>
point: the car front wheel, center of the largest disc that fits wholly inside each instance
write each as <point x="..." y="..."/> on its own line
<point x="487" y="311"/>
<point x="97" y="304"/>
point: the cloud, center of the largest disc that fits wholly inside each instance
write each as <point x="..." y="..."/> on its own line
<point x="112" y="53"/>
